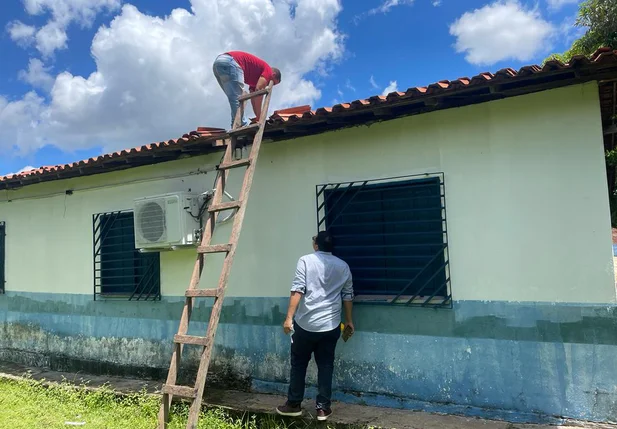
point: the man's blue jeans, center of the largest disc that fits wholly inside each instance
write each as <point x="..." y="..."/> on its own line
<point x="230" y="77"/>
<point x="304" y="344"/>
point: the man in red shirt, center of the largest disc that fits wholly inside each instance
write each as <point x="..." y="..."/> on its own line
<point x="235" y="68"/>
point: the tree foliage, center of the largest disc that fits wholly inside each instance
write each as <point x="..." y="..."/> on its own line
<point x="599" y="18"/>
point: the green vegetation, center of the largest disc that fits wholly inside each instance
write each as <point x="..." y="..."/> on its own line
<point x="599" y="18"/>
<point x="29" y="404"/>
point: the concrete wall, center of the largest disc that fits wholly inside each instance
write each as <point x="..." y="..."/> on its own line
<point x="532" y="329"/>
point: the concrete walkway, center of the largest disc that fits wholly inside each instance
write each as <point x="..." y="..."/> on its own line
<point x="346" y="414"/>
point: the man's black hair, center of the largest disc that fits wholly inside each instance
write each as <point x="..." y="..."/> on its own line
<point x="324" y="241"/>
<point x="276" y="73"/>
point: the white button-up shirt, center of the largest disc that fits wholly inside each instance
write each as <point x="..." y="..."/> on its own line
<point x="325" y="281"/>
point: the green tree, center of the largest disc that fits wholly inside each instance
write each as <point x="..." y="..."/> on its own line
<point x="599" y="19"/>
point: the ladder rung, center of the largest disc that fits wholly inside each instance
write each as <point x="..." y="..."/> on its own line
<point x="244" y="130"/>
<point x="214" y="248"/>
<point x="201" y="293"/>
<point x="225" y="206"/>
<point x="231" y="140"/>
<point x="250" y="95"/>
<point x="235" y="164"/>
<point x="183" y="391"/>
<point x="190" y="339"/>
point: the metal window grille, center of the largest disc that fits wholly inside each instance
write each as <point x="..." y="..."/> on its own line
<point x="2" y="255"/>
<point x="392" y="233"/>
<point x="120" y="270"/>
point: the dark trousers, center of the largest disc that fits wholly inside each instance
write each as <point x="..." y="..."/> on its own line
<point x="305" y="343"/>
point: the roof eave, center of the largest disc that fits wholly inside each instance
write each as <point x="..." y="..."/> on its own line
<point x="485" y="87"/>
<point x="412" y="104"/>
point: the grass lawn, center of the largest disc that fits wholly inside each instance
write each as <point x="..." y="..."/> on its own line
<point x="28" y="404"/>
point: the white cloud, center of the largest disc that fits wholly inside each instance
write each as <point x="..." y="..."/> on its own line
<point x="502" y="30"/>
<point x="373" y="83"/>
<point x="349" y="86"/>
<point x="23" y="170"/>
<point x="389" y="4"/>
<point x="569" y="32"/>
<point x="21" y="33"/>
<point x="384" y="7"/>
<point x="26" y="168"/>
<point x="65" y="11"/>
<point x="37" y="75"/>
<point x="558" y="4"/>
<point x="20" y="120"/>
<point x="390" y="88"/>
<point x="436" y="3"/>
<point x="52" y="36"/>
<point x="154" y="81"/>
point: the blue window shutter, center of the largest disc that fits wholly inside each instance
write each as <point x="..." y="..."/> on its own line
<point x="120" y="270"/>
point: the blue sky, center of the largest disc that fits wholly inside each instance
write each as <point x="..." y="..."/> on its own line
<point x="66" y="95"/>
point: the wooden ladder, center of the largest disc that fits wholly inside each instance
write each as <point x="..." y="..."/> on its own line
<point x="195" y="393"/>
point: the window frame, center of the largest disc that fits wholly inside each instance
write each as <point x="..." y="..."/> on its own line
<point x="134" y="264"/>
<point x="442" y="297"/>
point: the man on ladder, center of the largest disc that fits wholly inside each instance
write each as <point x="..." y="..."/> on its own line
<point x="230" y="75"/>
<point x="235" y="68"/>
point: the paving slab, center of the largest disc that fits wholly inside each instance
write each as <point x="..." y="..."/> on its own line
<point x="344" y="414"/>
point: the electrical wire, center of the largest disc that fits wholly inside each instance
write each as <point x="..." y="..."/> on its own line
<point x="111" y="185"/>
<point x="204" y="206"/>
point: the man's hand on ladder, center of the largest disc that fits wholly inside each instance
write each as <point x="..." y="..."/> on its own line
<point x="257" y="101"/>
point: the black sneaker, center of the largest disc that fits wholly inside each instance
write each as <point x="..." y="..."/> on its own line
<point x="322" y="415"/>
<point x="289" y="411"/>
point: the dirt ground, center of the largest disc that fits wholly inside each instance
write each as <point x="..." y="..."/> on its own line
<point x="345" y="414"/>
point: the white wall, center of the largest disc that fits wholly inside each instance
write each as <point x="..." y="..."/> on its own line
<point x="528" y="213"/>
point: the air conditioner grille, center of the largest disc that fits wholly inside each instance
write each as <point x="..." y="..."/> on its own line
<point x="152" y="221"/>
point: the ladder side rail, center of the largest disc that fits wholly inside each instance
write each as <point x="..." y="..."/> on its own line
<point x="235" y="235"/>
<point x="198" y="267"/>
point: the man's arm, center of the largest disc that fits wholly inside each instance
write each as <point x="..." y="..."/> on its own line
<point x="298" y="288"/>
<point x="348" y="306"/>
<point x="294" y="301"/>
<point x="256" y="102"/>
<point x="348" y="296"/>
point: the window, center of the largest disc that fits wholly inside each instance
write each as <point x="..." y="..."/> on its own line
<point x="392" y="233"/>
<point x="2" y="255"/>
<point x="120" y="270"/>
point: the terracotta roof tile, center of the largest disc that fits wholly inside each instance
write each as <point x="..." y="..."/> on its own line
<point x="600" y="61"/>
<point x="603" y="55"/>
<point x="298" y="110"/>
<point x="201" y="133"/>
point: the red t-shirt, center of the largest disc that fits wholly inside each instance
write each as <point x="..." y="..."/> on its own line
<point x="253" y="67"/>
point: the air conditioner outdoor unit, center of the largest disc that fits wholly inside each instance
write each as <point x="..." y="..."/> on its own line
<point x="165" y="222"/>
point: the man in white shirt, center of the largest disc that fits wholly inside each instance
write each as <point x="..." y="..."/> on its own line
<point x="321" y="287"/>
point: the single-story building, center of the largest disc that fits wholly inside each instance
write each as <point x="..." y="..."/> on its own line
<point x="474" y="215"/>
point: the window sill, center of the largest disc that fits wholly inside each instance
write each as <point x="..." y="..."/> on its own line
<point x="437" y="301"/>
<point x="121" y="297"/>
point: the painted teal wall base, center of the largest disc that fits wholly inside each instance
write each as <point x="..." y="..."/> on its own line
<point x="527" y="362"/>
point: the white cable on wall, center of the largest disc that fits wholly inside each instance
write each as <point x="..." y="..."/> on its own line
<point x="109" y="185"/>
